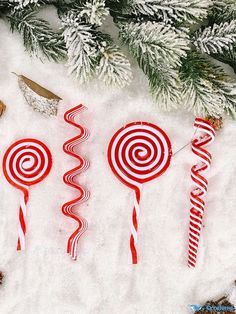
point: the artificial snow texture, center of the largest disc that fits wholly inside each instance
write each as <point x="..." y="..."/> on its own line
<point x="43" y="279"/>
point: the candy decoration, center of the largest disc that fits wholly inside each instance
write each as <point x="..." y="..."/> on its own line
<point x="197" y="194"/>
<point x="70" y="148"/>
<point x="25" y="163"/>
<point x="138" y="153"/>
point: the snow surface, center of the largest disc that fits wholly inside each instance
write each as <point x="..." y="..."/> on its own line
<point x="43" y="279"/>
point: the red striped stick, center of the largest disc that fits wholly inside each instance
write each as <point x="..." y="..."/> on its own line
<point x="206" y="137"/>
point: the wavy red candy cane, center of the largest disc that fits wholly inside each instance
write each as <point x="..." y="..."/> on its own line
<point x="70" y="148"/>
<point x="197" y="194"/>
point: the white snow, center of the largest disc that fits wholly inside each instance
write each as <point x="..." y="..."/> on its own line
<point x="43" y="279"/>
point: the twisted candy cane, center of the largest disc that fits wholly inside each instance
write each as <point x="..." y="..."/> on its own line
<point x="197" y="194"/>
<point x="69" y="178"/>
<point x="25" y="163"/>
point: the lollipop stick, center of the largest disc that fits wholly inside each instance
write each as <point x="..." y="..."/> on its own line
<point x="134" y="226"/>
<point x="22" y="219"/>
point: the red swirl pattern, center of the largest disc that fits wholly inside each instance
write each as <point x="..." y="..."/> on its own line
<point x="68" y="208"/>
<point x="25" y="163"/>
<point x="201" y="183"/>
<point x="138" y="153"/>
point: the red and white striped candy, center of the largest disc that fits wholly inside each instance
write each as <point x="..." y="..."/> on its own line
<point x="137" y="153"/>
<point x="26" y="162"/>
<point x="196" y="196"/>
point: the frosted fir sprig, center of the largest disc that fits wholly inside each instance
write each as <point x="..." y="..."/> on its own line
<point x="206" y="89"/>
<point x="169" y="46"/>
<point x="94" y="12"/>
<point x="92" y="53"/>
<point x="178" y="10"/>
<point x="165" y="86"/>
<point x="217" y="38"/>
<point x="113" y="67"/>
<point x="81" y="48"/>
<point x="39" y="38"/>
<point x="20" y="4"/>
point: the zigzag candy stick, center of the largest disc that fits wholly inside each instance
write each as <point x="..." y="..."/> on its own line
<point x="197" y="194"/>
<point x="69" y="178"/>
<point x="138" y="153"/>
<point x="26" y="162"/>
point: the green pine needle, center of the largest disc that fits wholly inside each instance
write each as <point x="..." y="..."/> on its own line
<point x="37" y="35"/>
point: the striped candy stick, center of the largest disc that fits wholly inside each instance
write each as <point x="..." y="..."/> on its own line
<point x="68" y="209"/>
<point x="25" y="163"/>
<point x="22" y="219"/>
<point x="138" y="153"/>
<point x="198" y="193"/>
<point x="134" y="225"/>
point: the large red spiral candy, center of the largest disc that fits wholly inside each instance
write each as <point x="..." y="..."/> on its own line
<point x="25" y="163"/>
<point x="207" y="136"/>
<point x="68" y="209"/>
<point x="138" y="153"/>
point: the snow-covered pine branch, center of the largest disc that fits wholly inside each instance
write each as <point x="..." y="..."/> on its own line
<point x="81" y="47"/>
<point x="165" y="86"/>
<point x="91" y="53"/>
<point x="203" y="88"/>
<point x="224" y="11"/>
<point x="223" y="4"/>
<point x="217" y="38"/>
<point x="178" y="10"/>
<point x="38" y="37"/>
<point x="227" y="89"/>
<point x="113" y="67"/>
<point x="94" y="12"/>
<point x="154" y="43"/>
<point x="23" y="3"/>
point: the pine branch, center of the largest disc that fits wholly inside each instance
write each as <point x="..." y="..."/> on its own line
<point x="178" y="10"/>
<point x="94" y="12"/>
<point x="113" y="67"/>
<point x="154" y="43"/>
<point x="228" y="57"/>
<point x="81" y="48"/>
<point x="207" y="90"/>
<point x="217" y="38"/>
<point x="27" y="4"/>
<point x="91" y="52"/>
<point x="20" y="4"/>
<point x="165" y="86"/>
<point x="37" y="35"/>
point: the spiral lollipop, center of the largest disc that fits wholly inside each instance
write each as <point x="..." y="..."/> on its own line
<point x="25" y="163"/>
<point x="138" y="153"/>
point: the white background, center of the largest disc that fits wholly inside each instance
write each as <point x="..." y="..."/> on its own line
<point x="43" y="279"/>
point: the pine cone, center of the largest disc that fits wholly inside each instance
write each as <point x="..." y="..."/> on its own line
<point x="217" y="123"/>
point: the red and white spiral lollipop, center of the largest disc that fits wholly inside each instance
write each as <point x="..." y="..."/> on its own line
<point x="25" y="163"/>
<point x="138" y="153"/>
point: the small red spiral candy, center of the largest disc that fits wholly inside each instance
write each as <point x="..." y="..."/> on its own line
<point x="138" y="153"/>
<point x="197" y="194"/>
<point x="25" y="163"/>
<point x="68" y="209"/>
